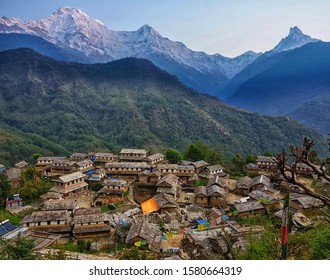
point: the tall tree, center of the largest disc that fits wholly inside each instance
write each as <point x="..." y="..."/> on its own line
<point x="173" y="156"/>
<point x="287" y="166"/>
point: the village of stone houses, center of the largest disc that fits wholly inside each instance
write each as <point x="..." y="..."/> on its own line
<point x="136" y="202"/>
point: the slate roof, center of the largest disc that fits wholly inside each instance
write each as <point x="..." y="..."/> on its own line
<point x="215" y="167"/>
<point x="165" y="200"/>
<point x="70" y="177"/>
<point x="133" y="151"/>
<point x="67" y="204"/>
<point x="248" y="206"/>
<point x="265" y="159"/>
<point x="169" y="179"/>
<point x="21" y="164"/>
<point x="143" y="230"/>
<point x="45" y="216"/>
<point x="199" y="163"/>
<point x="156" y="156"/>
<point x="91" y="218"/>
<point x="141" y="165"/>
<point x="257" y="195"/>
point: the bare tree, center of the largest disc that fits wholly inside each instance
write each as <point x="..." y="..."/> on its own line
<point x="287" y="166"/>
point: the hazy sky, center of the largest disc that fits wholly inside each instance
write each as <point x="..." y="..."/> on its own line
<point x="228" y="27"/>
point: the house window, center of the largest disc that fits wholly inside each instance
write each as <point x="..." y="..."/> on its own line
<point x="48" y="222"/>
<point x="58" y="222"/>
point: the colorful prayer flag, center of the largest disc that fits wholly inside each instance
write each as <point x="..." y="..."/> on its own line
<point x="225" y="217"/>
<point x="137" y="244"/>
<point x="213" y="223"/>
<point x="169" y="235"/>
<point x="235" y="213"/>
<point x="265" y="199"/>
<point x="259" y="201"/>
<point x="201" y="227"/>
<point x="144" y="242"/>
<point x="164" y="237"/>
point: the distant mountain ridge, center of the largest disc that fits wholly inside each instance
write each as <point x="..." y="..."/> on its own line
<point x="127" y="103"/>
<point x="73" y="29"/>
<point x="295" y="83"/>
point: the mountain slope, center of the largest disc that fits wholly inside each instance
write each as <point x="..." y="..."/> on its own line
<point x="16" y="40"/>
<point x="295" y="39"/>
<point x="74" y="29"/>
<point x="283" y="83"/>
<point x="130" y="103"/>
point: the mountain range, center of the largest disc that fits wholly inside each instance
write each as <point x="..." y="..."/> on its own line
<point x="294" y="83"/>
<point x="80" y="38"/>
<point x="128" y="102"/>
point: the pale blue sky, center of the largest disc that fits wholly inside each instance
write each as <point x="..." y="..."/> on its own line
<point x="228" y="27"/>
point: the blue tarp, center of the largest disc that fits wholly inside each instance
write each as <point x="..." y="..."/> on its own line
<point x="90" y="172"/>
<point x="201" y="222"/>
<point x="123" y="223"/>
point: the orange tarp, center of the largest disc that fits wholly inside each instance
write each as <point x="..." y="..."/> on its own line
<point x="149" y="206"/>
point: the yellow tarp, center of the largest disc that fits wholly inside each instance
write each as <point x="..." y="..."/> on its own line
<point x="149" y="206"/>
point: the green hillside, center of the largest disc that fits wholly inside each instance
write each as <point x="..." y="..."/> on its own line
<point x="126" y="103"/>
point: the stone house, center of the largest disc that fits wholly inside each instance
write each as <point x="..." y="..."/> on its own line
<point x="261" y="182"/>
<point x="58" y="221"/>
<point x="155" y="159"/>
<point x="244" y="185"/>
<point x="44" y="163"/>
<point x="217" y="195"/>
<point x="78" y="156"/>
<point x="251" y="169"/>
<point x="83" y="166"/>
<point x="266" y="200"/>
<point x="112" y="192"/>
<point x="125" y="170"/>
<point x="60" y="204"/>
<point x="165" y="203"/>
<point x="70" y="184"/>
<point x="133" y="155"/>
<point x="14" y="177"/>
<point x="90" y="224"/>
<point x="249" y="209"/>
<point x="266" y="163"/>
<point x="169" y="184"/>
<point x="201" y="195"/>
<point x="144" y="231"/>
<point x="199" y="166"/>
<point x="102" y="158"/>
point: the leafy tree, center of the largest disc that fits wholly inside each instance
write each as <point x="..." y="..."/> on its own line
<point x="36" y="156"/>
<point x="195" y="152"/>
<point x="4" y="186"/>
<point x="33" y="184"/>
<point x="202" y="151"/>
<point x="250" y="159"/>
<point x="321" y="244"/>
<point x="173" y="156"/>
<point x="17" y="249"/>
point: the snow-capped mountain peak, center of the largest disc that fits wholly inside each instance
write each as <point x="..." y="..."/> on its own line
<point x="295" y="39"/>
